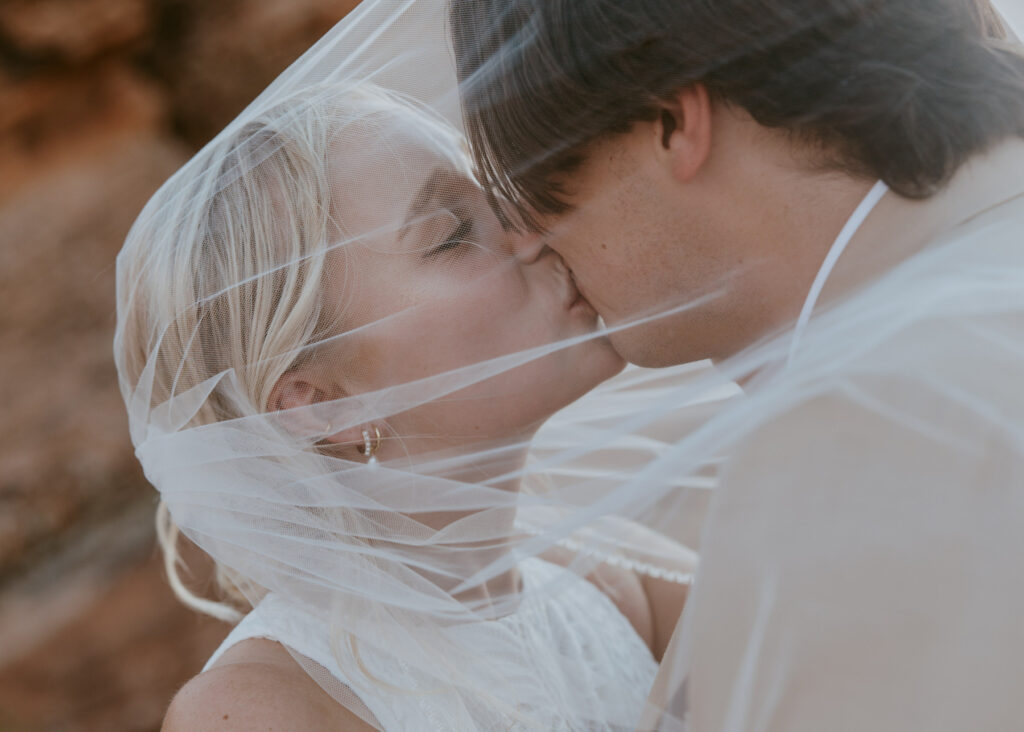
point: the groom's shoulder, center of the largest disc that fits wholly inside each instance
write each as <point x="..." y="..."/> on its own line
<point x="940" y="424"/>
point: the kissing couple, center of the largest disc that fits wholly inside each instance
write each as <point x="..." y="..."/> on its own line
<point x="373" y="343"/>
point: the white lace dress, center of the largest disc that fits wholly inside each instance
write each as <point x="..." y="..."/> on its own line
<point x="609" y="665"/>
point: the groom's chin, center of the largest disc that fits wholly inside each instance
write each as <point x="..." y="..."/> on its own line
<point x="641" y="347"/>
<point x="650" y="346"/>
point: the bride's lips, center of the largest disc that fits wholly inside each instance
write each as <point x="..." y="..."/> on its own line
<point x="575" y="299"/>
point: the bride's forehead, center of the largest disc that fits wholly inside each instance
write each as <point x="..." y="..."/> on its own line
<point x="397" y="138"/>
<point x="377" y="171"/>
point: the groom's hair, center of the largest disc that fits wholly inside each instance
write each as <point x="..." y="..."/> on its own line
<point x="902" y="90"/>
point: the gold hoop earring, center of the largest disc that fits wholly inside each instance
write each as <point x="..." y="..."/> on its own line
<point x="371" y="445"/>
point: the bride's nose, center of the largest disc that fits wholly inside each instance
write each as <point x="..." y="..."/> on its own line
<point x="527" y="246"/>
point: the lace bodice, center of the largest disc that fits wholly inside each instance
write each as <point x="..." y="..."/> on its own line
<point x="610" y="666"/>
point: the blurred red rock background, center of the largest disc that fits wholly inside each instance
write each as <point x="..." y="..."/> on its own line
<point x="100" y="101"/>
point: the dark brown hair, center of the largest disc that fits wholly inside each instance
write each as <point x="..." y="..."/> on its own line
<point x="902" y="90"/>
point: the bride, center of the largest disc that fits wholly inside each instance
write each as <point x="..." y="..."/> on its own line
<point x="334" y="360"/>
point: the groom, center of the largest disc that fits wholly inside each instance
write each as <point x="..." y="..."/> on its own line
<point x="715" y="160"/>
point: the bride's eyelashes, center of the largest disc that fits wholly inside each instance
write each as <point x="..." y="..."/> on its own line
<point x="461" y="237"/>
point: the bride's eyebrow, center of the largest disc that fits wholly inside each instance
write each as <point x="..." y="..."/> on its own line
<point x="441" y="180"/>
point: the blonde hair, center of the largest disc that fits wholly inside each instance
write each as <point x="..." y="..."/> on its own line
<point x="223" y="273"/>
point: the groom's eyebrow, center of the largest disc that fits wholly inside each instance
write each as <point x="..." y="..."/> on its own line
<point x="421" y="203"/>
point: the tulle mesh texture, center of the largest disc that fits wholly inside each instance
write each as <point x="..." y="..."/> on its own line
<point x="356" y="393"/>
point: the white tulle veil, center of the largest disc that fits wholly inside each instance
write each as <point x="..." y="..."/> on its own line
<point x="292" y="247"/>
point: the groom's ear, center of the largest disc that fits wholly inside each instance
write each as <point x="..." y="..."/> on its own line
<point x="683" y="131"/>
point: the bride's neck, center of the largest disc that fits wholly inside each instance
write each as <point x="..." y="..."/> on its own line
<point x="468" y="541"/>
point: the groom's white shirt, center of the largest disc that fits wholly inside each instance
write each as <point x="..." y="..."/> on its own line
<point x="859" y="573"/>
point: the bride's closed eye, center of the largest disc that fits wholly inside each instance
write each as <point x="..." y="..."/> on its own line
<point x="461" y="237"/>
<point x="450" y="212"/>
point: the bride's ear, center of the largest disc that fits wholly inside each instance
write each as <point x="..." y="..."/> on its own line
<point x="304" y="388"/>
<point x="683" y="131"/>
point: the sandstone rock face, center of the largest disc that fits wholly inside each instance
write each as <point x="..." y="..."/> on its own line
<point x="100" y="101"/>
<point x="73" y="33"/>
<point x="232" y="50"/>
<point x="64" y="453"/>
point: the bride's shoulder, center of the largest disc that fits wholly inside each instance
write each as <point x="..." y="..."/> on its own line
<point x="256" y="684"/>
